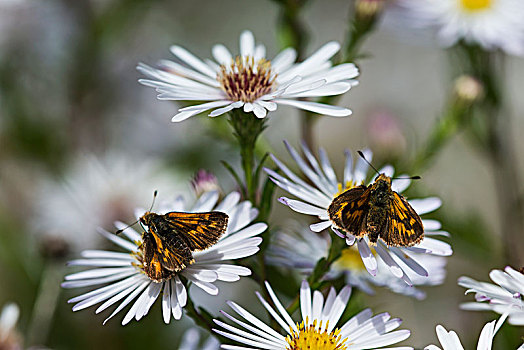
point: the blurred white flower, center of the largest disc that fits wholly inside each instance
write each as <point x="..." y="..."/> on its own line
<point x="493" y="24"/>
<point x="95" y="193"/>
<point x="123" y="275"/>
<point x="317" y="328"/>
<point x="315" y="200"/>
<point x="250" y="80"/>
<point x="300" y="248"/>
<point x="505" y="296"/>
<point x="450" y="340"/>
<point x="191" y="339"/>
<point x="9" y="338"/>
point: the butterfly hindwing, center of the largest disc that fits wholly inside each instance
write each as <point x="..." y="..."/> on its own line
<point x="199" y="230"/>
<point x="349" y="210"/>
<point x="404" y="226"/>
<point x="164" y="255"/>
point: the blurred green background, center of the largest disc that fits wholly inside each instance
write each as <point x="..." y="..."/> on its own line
<point x="68" y="88"/>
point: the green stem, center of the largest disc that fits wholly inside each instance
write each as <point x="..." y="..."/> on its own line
<point x="247" y="129"/>
<point x="45" y="303"/>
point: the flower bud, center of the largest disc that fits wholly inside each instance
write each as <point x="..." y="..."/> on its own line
<point x="468" y="89"/>
<point x="204" y="181"/>
<point x="368" y="9"/>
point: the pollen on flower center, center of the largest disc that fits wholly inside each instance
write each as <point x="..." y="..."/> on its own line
<point x="350" y="260"/>
<point x="475" y="5"/>
<point x="341" y="189"/>
<point x="313" y="336"/>
<point x="246" y="80"/>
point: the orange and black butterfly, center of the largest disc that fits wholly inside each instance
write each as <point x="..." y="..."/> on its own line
<point x="379" y="212"/>
<point x="170" y="239"/>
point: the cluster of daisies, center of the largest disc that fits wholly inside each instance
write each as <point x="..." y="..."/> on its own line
<point x="257" y="85"/>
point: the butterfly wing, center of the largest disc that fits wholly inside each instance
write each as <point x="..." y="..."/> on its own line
<point x="349" y="210"/>
<point x="164" y="255"/>
<point x="198" y="230"/>
<point x="404" y="226"/>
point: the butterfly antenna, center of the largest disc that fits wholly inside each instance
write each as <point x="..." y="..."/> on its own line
<point x="154" y="198"/>
<point x="128" y="226"/>
<point x="125" y="228"/>
<point x="416" y="177"/>
<point x="371" y="165"/>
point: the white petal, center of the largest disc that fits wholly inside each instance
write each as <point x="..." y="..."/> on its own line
<point x="222" y="54"/>
<point x="189" y="73"/>
<point x="204" y="106"/>
<point x="302" y="207"/>
<point x="260" y="52"/>
<point x="247" y="44"/>
<point x="226" y="109"/>
<point x="305" y="301"/>
<point x="367" y="256"/>
<point x="283" y="60"/>
<point x="320" y="226"/>
<point x="260" y="112"/>
<point x="426" y="205"/>
<point x="192" y="60"/>
<point x="166" y="303"/>
<point x="315" y="107"/>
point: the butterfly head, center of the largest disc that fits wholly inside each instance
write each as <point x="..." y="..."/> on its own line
<point x="149" y="218"/>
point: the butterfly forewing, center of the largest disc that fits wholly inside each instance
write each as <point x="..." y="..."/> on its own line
<point x="404" y="226"/>
<point x="168" y="243"/>
<point x="349" y="210"/>
<point x="200" y="230"/>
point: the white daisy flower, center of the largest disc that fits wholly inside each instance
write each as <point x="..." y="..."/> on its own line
<point x="493" y="24"/>
<point x="251" y="81"/>
<point x="505" y="296"/>
<point x="316" y="199"/>
<point x="123" y="276"/>
<point x="9" y="337"/>
<point x="191" y="341"/>
<point x="300" y="248"/>
<point x="95" y="192"/>
<point x="450" y="340"/>
<point x="317" y="328"/>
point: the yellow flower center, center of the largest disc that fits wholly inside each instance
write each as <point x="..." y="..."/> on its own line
<point x="246" y="80"/>
<point x="475" y="5"/>
<point x="349" y="260"/>
<point x="311" y="337"/>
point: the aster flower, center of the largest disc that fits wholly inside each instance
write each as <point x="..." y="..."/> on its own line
<point x="316" y="199"/>
<point x="9" y="337"/>
<point x="317" y="328"/>
<point x="450" y="340"/>
<point x="505" y="296"/>
<point x="300" y="248"/>
<point x="493" y="24"/>
<point x="123" y="276"/>
<point x="95" y="192"/>
<point x="191" y="340"/>
<point x="250" y="81"/>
